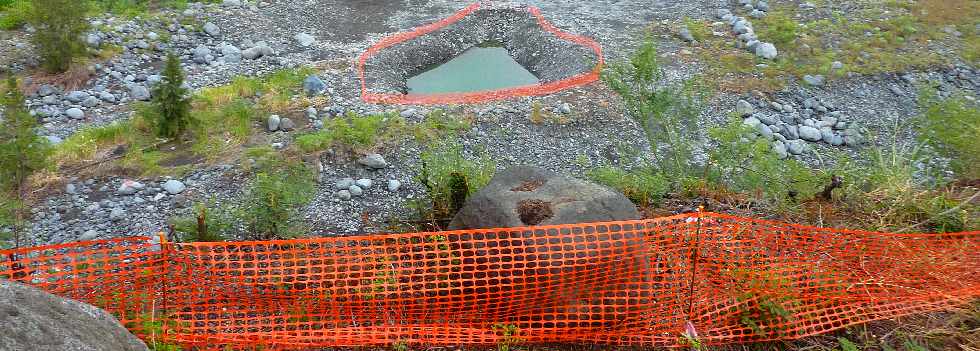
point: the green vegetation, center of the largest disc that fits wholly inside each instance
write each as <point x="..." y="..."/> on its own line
<point x="509" y="335"/>
<point x="60" y="25"/>
<point x="279" y="189"/>
<point x="698" y="29"/>
<point x="22" y="153"/>
<point x="664" y="110"/>
<point x="171" y="106"/>
<point x="952" y="126"/>
<point x="358" y="132"/>
<point x="14" y="13"/>
<point x="645" y="186"/>
<point x="450" y="178"/>
<point x="779" y="29"/>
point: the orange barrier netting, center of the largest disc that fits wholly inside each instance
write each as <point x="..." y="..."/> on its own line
<point x="482" y="96"/>
<point x="622" y="283"/>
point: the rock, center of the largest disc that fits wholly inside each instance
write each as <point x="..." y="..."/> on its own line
<point x="836" y="65"/>
<point x="313" y="85"/>
<point x="93" y="40"/>
<point x="344" y="195"/>
<point x="70" y="189"/>
<point x="286" y="125"/>
<point x="810" y="133"/>
<point x="790" y="132"/>
<point x="355" y="190"/>
<point x="685" y="34"/>
<point x="766" y="119"/>
<point x="75" y="113"/>
<point x="373" y="161"/>
<point x="76" y="96"/>
<point x="364" y="183"/>
<point x="826" y="135"/>
<point x="201" y="55"/>
<point x="231" y="3"/>
<point x="54" y="139"/>
<point x="273" y="123"/>
<point x="394" y="185"/>
<point x="139" y="92"/>
<point x="107" y="97"/>
<point x="744" y="108"/>
<point x="155" y="79"/>
<point x="780" y="149"/>
<point x="525" y="196"/>
<point x="259" y="50"/>
<point x="721" y="13"/>
<point x="837" y="140"/>
<point x="766" y="51"/>
<point x="816" y="80"/>
<point x="757" y="14"/>
<point x="305" y="40"/>
<point x="742" y="27"/>
<point x="852" y="137"/>
<point x="212" y="29"/>
<point x="344" y="183"/>
<point x="117" y="214"/>
<point x="565" y="108"/>
<point x="91" y="102"/>
<point x="36" y="320"/>
<point x="752" y="122"/>
<point x="762" y="6"/>
<point x="45" y="90"/>
<point x="231" y="53"/>
<point x="89" y="235"/>
<point x="764" y="131"/>
<point x="174" y="187"/>
<point x="796" y="147"/>
<point x="130" y="187"/>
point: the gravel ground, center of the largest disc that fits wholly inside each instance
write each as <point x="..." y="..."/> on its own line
<point x="594" y="133"/>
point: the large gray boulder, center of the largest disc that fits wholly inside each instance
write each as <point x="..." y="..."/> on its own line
<point x="32" y="319"/>
<point x="525" y="196"/>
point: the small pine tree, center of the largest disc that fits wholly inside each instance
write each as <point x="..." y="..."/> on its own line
<point x="170" y="101"/>
<point x="21" y="150"/>
<point x="21" y="153"/>
<point x="60" y="25"/>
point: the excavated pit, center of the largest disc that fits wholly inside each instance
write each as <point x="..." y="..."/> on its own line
<point x="516" y="29"/>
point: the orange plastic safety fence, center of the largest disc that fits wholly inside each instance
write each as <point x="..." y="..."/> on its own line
<point x="482" y="96"/>
<point x="622" y="283"/>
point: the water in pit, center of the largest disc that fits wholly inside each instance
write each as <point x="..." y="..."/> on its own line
<point x="476" y="69"/>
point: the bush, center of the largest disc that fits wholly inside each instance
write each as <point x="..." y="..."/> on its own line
<point x="742" y="163"/>
<point x="779" y="28"/>
<point x="273" y="199"/>
<point x="645" y="186"/>
<point x="952" y="126"/>
<point x="60" y="25"/>
<point x="170" y="102"/>
<point x="15" y="13"/>
<point x="206" y="224"/>
<point x="22" y="152"/>
<point x="663" y="109"/>
<point x="449" y="177"/>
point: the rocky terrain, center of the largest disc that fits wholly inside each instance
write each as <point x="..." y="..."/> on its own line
<point x="370" y="192"/>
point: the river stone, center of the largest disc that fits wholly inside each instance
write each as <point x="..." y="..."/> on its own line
<point x="744" y="108"/>
<point x="313" y="85"/>
<point x="174" y="187"/>
<point x="810" y="133"/>
<point x="766" y="51"/>
<point x="75" y="113"/>
<point x="524" y="196"/>
<point x="36" y="320"/>
<point x="373" y="161"/>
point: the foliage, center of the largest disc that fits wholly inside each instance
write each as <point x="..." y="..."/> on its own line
<point x="742" y="163"/>
<point x="445" y="172"/>
<point x="273" y="199"/>
<point x="764" y="301"/>
<point x="14" y="14"/>
<point x="778" y="28"/>
<point x="206" y="224"/>
<point x="60" y="25"/>
<point x="509" y="336"/>
<point x="663" y="109"/>
<point x="846" y="345"/>
<point x="697" y="28"/>
<point x="354" y="131"/>
<point x="170" y="102"/>
<point x="644" y="186"/>
<point x="84" y="144"/>
<point x="952" y="126"/>
<point x="22" y="152"/>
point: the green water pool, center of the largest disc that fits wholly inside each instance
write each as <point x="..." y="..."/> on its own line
<point x="476" y="69"/>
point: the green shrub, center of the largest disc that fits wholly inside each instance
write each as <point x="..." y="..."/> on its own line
<point x="644" y="186"/>
<point x="952" y="126"/>
<point x="207" y="224"/>
<point x="745" y="164"/>
<point x="15" y="14"/>
<point x="664" y="110"/>
<point x="60" y="25"/>
<point x="170" y="102"/>
<point x="450" y="177"/>
<point x="273" y="199"/>
<point x="22" y="152"/>
<point x="778" y="28"/>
